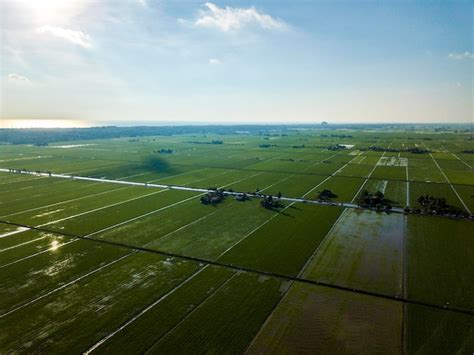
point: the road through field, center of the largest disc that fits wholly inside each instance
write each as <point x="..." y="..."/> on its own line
<point x="205" y="190"/>
<point x="369" y="175"/>
<point x="462" y="161"/>
<point x="20" y="230"/>
<point x="287" y="293"/>
<point x="92" y="272"/>
<point x="449" y="182"/>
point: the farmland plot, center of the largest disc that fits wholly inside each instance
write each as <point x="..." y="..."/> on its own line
<point x="315" y="319"/>
<point x="212" y="236"/>
<point x="424" y="170"/>
<point x="418" y="189"/>
<point x="344" y="188"/>
<point x="431" y="331"/>
<point x="63" y="262"/>
<point x="390" y="172"/>
<point x="110" y="298"/>
<point x="228" y="320"/>
<point x="467" y="194"/>
<point x="364" y="250"/>
<point x="394" y="191"/>
<point x="141" y="333"/>
<point x="393" y="161"/>
<point x="295" y="185"/>
<point x="285" y="243"/>
<point x="440" y="261"/>
<point x="53" y="284"/>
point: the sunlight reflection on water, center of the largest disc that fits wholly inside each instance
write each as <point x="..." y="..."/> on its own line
<point x="54" y="245"/>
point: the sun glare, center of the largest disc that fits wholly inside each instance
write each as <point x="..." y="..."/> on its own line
<point x="54" y="245"/>
<point x="42" y="123"/>
<point x="45" y="11"/>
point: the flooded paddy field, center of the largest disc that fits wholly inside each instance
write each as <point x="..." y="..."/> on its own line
<point x="363" y="250"/>
<point x="157" y="270"/>
<point x="317" y="319"/>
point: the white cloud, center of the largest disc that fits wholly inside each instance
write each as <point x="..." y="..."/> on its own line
<point x="229" y="18"/>
<point x="144" y="3"/>
<point x="461" y="56"/>
<point x="214" y="61"/>
<point x="77" y="37"/>
<point x="18" y="79"/>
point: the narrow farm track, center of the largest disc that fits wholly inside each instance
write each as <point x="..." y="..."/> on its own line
<point x="300" y="275"/>
<point x="450" y="184"/>
<point x="187" y="316"/>
<point x="407" y="202"/>
<point x="168" y="272"/>
<point x="292" y="200"/>
<point x="201" y="167"/>
<point x="315" y="252"/>
<point x="94" y="271"/>
<point x="7" y="234"/>
<point x="462" y="161"/>
<point x="111" y="226"/>
<point x="368" y="176"/>
<point x="36" y="177"/>
<point x="93" y="195"/>
<point x="306" y="173"/>
<point x="144" y="311"/>
<point x="22" y="244"/>
<point x="85" y="212"/>
<point x="40" y="252"/>
<point x="232" y="193"/>
<point x="250" y="270"/>
<point x="65" y="201"/>
<point x="70" y="283"/>
<point x="404" y="285"/>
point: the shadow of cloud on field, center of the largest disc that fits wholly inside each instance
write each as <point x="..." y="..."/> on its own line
<point x="156" y="164"/>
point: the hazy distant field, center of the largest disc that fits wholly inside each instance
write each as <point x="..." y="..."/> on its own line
<point x="236" y="277"/>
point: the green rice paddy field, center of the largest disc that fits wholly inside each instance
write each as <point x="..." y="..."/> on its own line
<point x="95" y="267"/>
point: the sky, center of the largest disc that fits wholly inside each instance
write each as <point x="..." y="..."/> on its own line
<point x="94" y="62"/>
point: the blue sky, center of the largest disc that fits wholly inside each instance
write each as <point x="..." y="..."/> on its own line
<point x="91" y="61"/>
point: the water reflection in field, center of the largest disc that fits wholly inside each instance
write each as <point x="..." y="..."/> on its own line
<point x="364" y="250"/>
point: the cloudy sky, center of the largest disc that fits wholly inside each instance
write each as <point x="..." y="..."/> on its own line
<point x="89" y="61"/>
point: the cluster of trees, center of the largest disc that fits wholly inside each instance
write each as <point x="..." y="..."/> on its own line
<point x="415" y="150"/>
<point x="273" y="135"/>
<point x="164" y="151"/>
<point x="468" y="151"/>
<point x="436" y="206"/>
<point x="242" y="197"/>
<point x="326" y="195"/>
<point x="49" y="135"/>
<point x="24" y="171"/>
<point x="336" y="147"/>
<point x="337" y="135"/>
<point x="267" y="145"/>
<point x="213" y="197"/>
<point x="268" y="201"/>
<point x="375" y="200"/>
<point x="299" y="146"/>
<point x="214" y="141"/>
<point x="418" y="150"/>
<point x="292" y="159"/>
